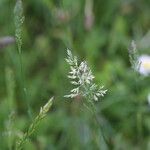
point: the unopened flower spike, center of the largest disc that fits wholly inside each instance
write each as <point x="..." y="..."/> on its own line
<point x="133" y="55"/>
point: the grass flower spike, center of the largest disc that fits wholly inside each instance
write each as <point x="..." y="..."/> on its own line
<point x="19" y="19"/>
<point x="82" y="78"/>
<point x="43" y="112"/>
<point x="140" y="63"/>
<point x="133" y="56"/>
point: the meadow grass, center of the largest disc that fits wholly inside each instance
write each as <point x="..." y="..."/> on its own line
<point x="88" y="117"/>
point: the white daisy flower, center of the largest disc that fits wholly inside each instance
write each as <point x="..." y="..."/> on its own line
<point x="144" y="68"/>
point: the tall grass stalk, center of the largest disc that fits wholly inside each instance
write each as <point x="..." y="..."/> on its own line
<point x="10" y="131"/>
<point x="82" y="79"/>
<point x="9" y="124"/>
<point x="10" y="85"/>
<point x="19" y="19"/>
<point x="135" y="64"/>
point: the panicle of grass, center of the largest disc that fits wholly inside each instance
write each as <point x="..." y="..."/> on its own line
<point x="34" y="124"/>
<point x="133" y="56"/>
<point x="82" y="78"/>
<point x="18" y="19"/>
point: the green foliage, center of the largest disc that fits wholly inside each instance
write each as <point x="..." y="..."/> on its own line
<point x="50" y="27"/>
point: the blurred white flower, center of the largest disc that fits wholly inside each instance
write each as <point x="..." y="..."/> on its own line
<point x="81" y="76"/>
<point x="144" y="68"/>
<point x="148" y="99"/>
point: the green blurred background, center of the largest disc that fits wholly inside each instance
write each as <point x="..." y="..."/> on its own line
<point x="98" y="31"/>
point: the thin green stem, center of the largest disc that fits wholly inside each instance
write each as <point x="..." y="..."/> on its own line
<point x="93" y="111"/>
<point x="24" y="89"/>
